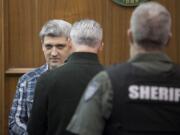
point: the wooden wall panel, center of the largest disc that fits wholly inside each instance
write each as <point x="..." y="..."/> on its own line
<point x="2" y="101"/>
<point x="177" y="29"/>
<point x="24" y="25"/>
<point x="22" y="35"/>
<point x="21" y="21"/>
<point x="113" y="18"/>
<point x="10" y="87"/>
<point x="172" y="49"/>
<point x="115" y="24"/>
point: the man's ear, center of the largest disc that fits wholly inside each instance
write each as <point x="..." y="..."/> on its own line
<point x="42" y="44"/>
<point x="101" y="46"/>
<point x="169" y="37"/>
<point x="130" y="37"/>
<point x="69" y="42"/>
<point x="71" y="46"/>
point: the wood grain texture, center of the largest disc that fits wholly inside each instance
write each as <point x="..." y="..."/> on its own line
<point x="22" y="36"/>
<point x="177" y="29"/>
<point x="21" y="21"/>
<point x="17" y="71"/>
<point x="26" y="18"/>
<point x="10" y="87"/>
<point x="173" y="49"/>
<point x="2" y="101"/>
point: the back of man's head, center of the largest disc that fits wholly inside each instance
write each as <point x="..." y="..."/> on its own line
<point x="151" y="25"/>
<point x="87" y="33"/>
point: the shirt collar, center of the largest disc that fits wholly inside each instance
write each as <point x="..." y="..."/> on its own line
<point x="154" y="62"/>
<point x="152" y="56"/>
<point x="44" y="67"/>
<point x="81" y="56"/>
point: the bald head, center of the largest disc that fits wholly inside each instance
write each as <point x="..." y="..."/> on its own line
<point x="151" y="25"/>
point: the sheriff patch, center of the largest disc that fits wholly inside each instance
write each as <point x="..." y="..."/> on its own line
<point x="154" y="93"/>
<point x="91" y="90"/>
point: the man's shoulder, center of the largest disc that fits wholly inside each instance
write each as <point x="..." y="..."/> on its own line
<point x="118" y="66"/>
<point x="62" y="69"/>
<point x="50" y="75"/>
<point x="33" y="74"/>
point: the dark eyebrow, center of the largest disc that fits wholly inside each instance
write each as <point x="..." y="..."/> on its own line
<point x="60" y="45"/>
<point x="48" y="45"/>
<point x="55" y="45"/>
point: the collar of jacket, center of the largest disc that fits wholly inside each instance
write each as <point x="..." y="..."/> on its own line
<point x="82" y="56"/>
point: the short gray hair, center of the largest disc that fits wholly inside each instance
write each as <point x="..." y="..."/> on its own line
<point x="55" y="28"/>
<point x="151" y="25"/>
<point x="86" y="32"/>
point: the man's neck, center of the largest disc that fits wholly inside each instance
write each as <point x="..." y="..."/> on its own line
<point x="135" y="49"/>
<point x="83" y="48"/>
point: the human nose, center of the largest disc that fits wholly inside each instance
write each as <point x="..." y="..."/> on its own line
<point x="54" y="51"/>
